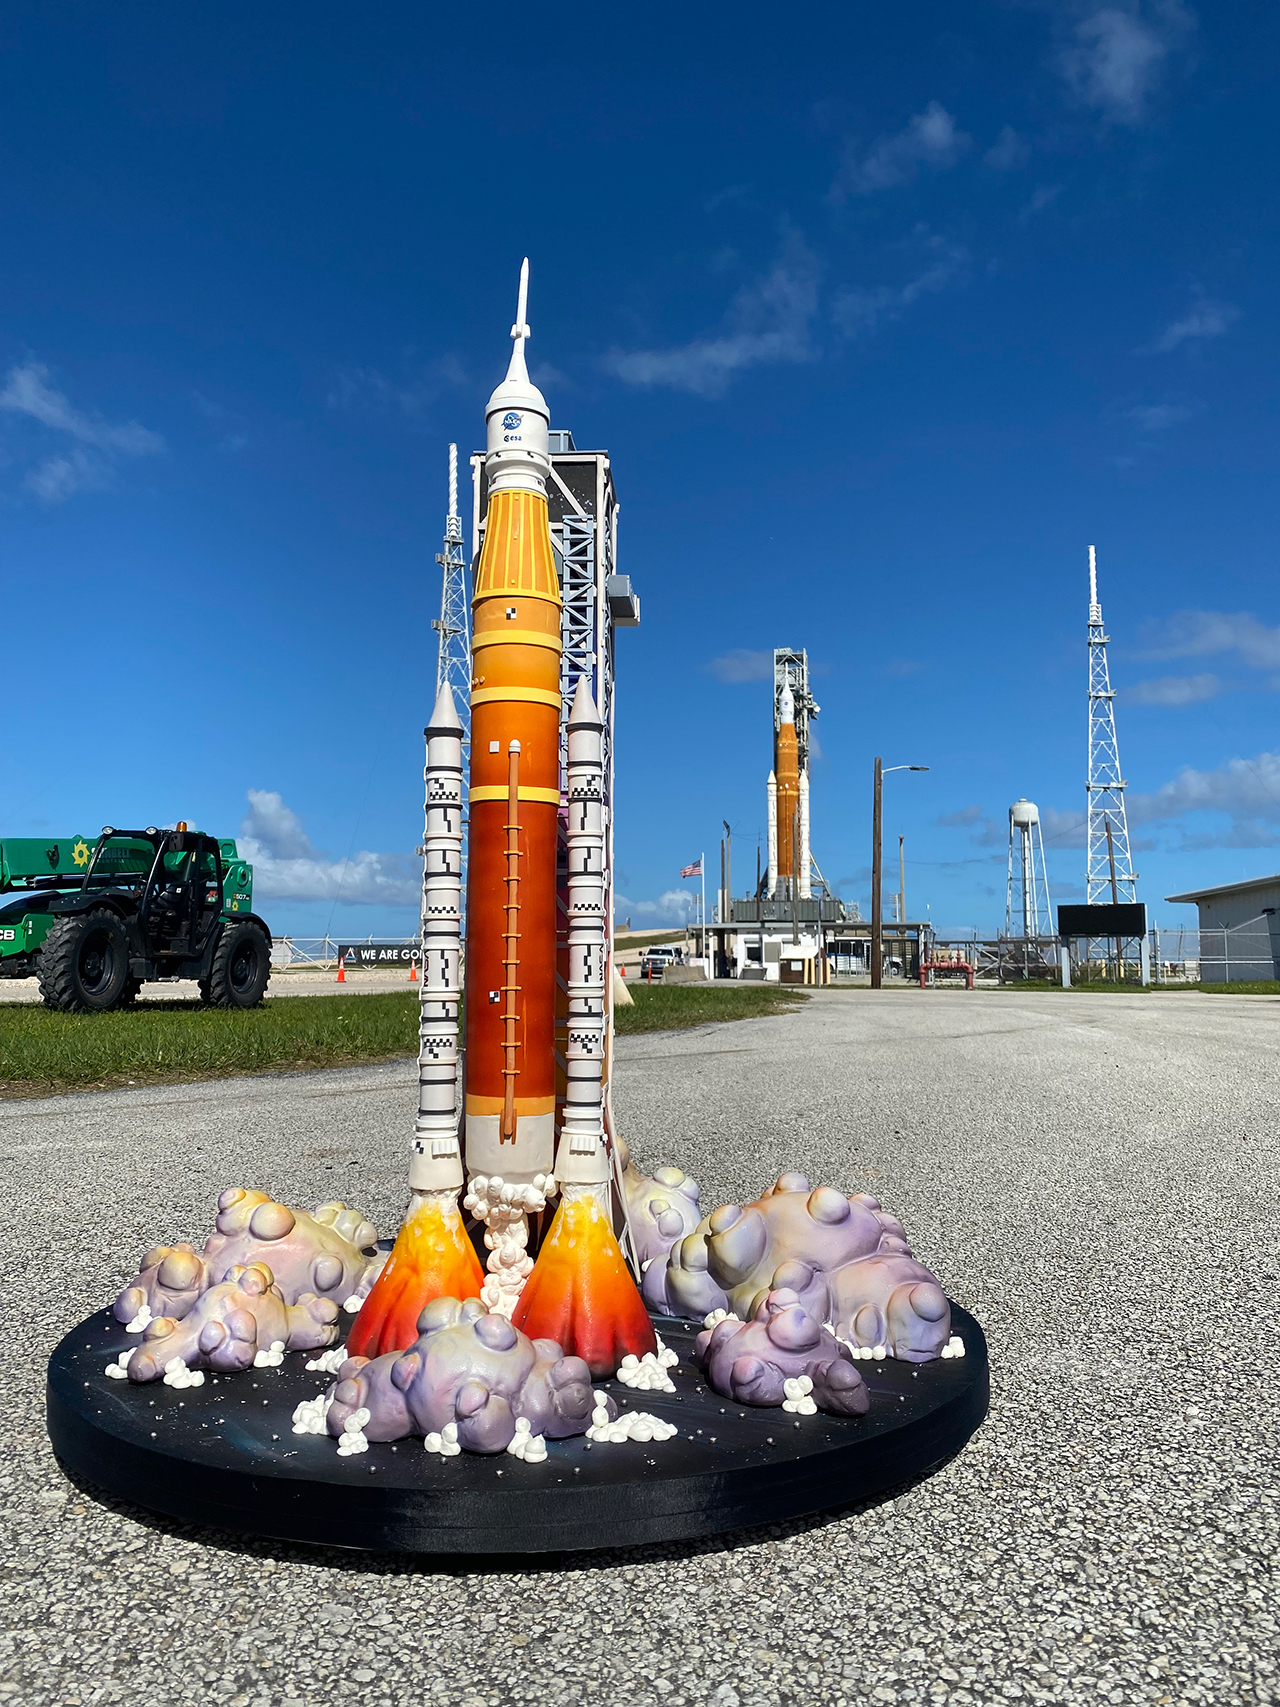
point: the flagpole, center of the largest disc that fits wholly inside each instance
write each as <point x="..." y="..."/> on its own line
<point x="702" y="873"/>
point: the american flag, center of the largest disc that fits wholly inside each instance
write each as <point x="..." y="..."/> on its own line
<point x="694" y="870"/>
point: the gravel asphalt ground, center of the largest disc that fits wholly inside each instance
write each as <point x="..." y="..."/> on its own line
<point x="1094" y="1176"/>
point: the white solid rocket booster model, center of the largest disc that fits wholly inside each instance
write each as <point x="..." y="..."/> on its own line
<point x="436" y="1161"/>
<point x="582" y="1158"/>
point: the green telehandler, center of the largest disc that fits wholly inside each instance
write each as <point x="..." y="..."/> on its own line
<point x="96" y="921"/>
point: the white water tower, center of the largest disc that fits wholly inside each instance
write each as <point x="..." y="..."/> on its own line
<point x="1028" y="912"/>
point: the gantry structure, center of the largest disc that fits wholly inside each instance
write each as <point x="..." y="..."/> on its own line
<point x="791" y="670"/>
<point x="453" y="626"/>
<point x="1109" y="871"/>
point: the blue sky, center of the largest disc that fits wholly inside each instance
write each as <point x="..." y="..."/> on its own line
<point x="884" y="314"/>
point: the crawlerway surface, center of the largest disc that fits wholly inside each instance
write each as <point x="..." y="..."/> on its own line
<point x="1095" y="1177"/>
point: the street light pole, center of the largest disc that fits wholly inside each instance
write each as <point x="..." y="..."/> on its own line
<point x="728" y="892"/>
<point x="877" y="861"/>
<point x="877" y="952"/>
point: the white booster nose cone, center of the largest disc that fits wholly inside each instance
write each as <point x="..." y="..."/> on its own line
<point x="517" y="417"/>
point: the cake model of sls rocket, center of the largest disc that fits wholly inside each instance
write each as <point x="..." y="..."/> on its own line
<point x="579" y="1291"/>
<point x="788" y="808"/>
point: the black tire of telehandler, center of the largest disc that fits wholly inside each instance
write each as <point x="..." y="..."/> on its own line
<point x="131" y="991"/>
<point x="240" y="967"/>
<point x="83" y="964"/>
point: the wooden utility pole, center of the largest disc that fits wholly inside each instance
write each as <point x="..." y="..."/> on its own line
<point x="877" y="922"/>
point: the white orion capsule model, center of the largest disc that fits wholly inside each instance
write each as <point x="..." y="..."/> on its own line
<point x="436" y="1163"/>
<point x="582" y="1157"/>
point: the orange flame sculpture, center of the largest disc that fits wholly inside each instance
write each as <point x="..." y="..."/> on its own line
<point x="581" y="1293"/>
<point x="432" y="1258"/>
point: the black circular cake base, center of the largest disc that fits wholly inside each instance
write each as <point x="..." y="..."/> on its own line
<point x="225" y="1455"/>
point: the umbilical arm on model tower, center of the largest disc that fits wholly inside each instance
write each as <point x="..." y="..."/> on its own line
<point x="436" y="1162"/>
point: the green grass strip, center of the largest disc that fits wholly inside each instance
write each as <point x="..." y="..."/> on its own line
<point x="174" y="1042"/>
<point x="673" y="1007"/>
<point x="157" y="1043"/>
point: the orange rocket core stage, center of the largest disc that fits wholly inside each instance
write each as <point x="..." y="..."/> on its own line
<point x="432" y="1258"/>
<point x="511" y="935"/>
<point x="581" y="1293"/>
<point x="786" y="770"/>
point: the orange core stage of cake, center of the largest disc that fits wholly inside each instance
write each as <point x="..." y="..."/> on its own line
<point x="581" y="1293"/>
<point x="432" y="1258"/>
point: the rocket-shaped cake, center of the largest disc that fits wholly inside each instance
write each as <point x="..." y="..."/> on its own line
<point x="514" y="797"/>
<point x="579" y="1291"/>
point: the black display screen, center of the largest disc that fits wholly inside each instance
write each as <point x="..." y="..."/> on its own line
<point x="1124" y="918"/>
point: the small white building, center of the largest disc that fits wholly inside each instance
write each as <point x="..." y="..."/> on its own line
<point x="1239" y="930"/>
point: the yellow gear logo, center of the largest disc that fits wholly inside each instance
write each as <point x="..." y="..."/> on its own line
<point x="80" y="853"/>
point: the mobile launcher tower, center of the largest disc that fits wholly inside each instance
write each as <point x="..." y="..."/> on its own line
<point x="790" y="1353"/>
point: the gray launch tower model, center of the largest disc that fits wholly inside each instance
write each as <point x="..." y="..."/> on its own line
<point x="453" y="658"/>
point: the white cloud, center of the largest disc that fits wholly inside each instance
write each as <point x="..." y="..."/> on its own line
<point x="1008" y="151"/>
<point x="741" y="665"/>
<point x="366" y="389"/>
<point x="55" y="478"/>
<point x="964" y="819"/>
<point x="231" y="426"/>
<point x="287" y="867"/>
<point x="1205" y="633"/>
<point x="673" y="907"/>
<point x="1174" y="690"/>
<point x="857" y="310"/>
<point x="929" y="139"/>
<point x="1205" y="319"/>
<point x="769" y="321"/>
<point x="1156" y="417"/>
<point x="984" y="832"/>
<point x="1041" y="197"/>
<point x="27" y="392"/>
<point x="1062" y="829"/>
<point x="1246" y="790"/>
<point x="1117" y="56"/>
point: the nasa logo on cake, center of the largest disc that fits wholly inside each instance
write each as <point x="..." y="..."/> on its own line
<point x="510" y="419"/>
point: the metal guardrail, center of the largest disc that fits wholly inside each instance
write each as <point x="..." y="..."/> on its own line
<point x="304" y="951"/>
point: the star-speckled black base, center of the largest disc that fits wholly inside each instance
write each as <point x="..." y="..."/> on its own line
<point x="225" y="1455"/>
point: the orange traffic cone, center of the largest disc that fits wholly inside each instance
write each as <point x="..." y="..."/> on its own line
<point x="413" y="973"/>
<point x="342" y="972"/>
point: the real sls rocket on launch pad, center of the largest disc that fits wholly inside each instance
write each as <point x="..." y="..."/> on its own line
<point x="787" y="789"/>
<point x="579" y="1291"/>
